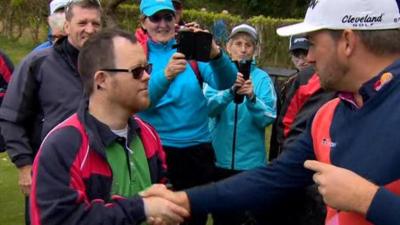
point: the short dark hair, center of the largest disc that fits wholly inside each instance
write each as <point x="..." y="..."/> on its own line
<point x="97" y="53"/>
<point x="86" y="4"/>
<point x="379" y="42"/>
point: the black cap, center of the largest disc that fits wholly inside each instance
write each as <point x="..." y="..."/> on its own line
<point x="298" y="42"/>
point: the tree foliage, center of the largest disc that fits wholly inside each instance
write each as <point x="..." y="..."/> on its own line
<point x="17" y="15"/>
<point x="248" y="8"/>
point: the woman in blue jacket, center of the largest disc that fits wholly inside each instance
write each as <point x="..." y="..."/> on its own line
<point x="238" y="129"/>
<point x="178" y="109"/>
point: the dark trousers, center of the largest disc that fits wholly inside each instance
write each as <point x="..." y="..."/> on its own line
<point x="27" y="213"/>
<point x="236" y="218"/>
<point x="189" y="167"/>
<point x="305" y="207"/>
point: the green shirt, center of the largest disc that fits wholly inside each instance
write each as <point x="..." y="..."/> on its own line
<point x="130" y="168"/>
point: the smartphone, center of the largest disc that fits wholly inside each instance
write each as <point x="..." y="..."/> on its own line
<point x="194" y="45"/>
<point x="244" y="67"/>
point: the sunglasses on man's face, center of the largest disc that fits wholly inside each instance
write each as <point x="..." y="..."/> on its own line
<point x="157" y="18"/>
<point x="137" y="72"/>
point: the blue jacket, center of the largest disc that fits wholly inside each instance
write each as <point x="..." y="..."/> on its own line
<point x="178" y="108"/>
<point x="44" y="45"/>
<point x="253" y="117"/>
<point x="366" y="141"/>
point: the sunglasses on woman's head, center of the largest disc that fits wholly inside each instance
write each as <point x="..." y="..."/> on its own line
<point x="168" y="17"/>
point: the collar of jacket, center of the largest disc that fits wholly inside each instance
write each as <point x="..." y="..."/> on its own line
<point x="68" y="52"/>
<point x="157" y="45"/>
<point x="369" y="89"/>
<point x="99" y="134"/>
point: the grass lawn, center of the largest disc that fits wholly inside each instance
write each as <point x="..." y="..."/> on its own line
<point x="16" y="50"/>
<point x="11" y="198"/>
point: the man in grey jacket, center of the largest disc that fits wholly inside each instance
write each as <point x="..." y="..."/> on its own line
<point x="46" y="89"/>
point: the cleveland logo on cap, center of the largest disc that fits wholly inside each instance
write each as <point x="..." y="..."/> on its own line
<point x="313" y="3"/>
<point x="362" y="21"/>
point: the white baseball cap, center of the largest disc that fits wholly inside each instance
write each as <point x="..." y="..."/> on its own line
<point x="244" y="28"/>
<point x="57" y="4"/>
<point x="347" y="14"/>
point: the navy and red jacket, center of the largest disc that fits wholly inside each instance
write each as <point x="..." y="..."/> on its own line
<point x="72" y="179"/>
<point x="363" y="139"/>
<point x="301" y="97"/>
<point x="6" y="69"/>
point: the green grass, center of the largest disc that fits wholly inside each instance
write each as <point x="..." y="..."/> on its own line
<point x="11" y="198"/>
<point x="16" y="50"/>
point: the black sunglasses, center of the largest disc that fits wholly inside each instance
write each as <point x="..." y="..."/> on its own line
<point x="157" y="18"/>
<point x="137" y="72"/>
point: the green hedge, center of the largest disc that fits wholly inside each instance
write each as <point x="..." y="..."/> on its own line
<point x="273" y="51"/>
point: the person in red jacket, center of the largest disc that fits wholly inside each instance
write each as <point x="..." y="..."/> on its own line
<point x="91" y="167"/>
<point x="301" y="96"/>
<point x="6" y="69"/>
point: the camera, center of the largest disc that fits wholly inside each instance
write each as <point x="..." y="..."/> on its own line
<point x="194" y="45"/>
<point x="244" y="68"/>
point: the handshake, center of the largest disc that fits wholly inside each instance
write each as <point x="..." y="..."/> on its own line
<point x="165" y="207"/>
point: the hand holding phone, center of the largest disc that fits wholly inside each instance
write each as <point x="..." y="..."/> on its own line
<point x="176" y="65"/>
<point x="194" y="45"/>
<point x="244" y="68"/>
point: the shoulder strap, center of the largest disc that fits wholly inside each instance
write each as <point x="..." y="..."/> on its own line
<point x="195" y="68"/>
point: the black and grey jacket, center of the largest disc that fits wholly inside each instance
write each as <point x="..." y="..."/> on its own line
<point x="45" y="89"/>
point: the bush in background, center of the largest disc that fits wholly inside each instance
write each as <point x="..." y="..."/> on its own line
<point x="18" y="16"/>
<point x="22" y="17"/>
<point x="274" y="49"/>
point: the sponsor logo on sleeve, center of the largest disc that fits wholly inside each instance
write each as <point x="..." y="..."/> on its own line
<point x="328" y="142"/>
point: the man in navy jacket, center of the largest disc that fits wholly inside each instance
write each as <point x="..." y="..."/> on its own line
<point x="91" y="166"/>
<point x="350" y="148"/>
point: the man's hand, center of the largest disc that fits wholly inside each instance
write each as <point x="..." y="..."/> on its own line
<point x="160" y="211"/>
<point x="176" y="65"/>
<point x="342" y="189"/>
<point x="25" y="179"/>
<point x="159" y="190"/>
